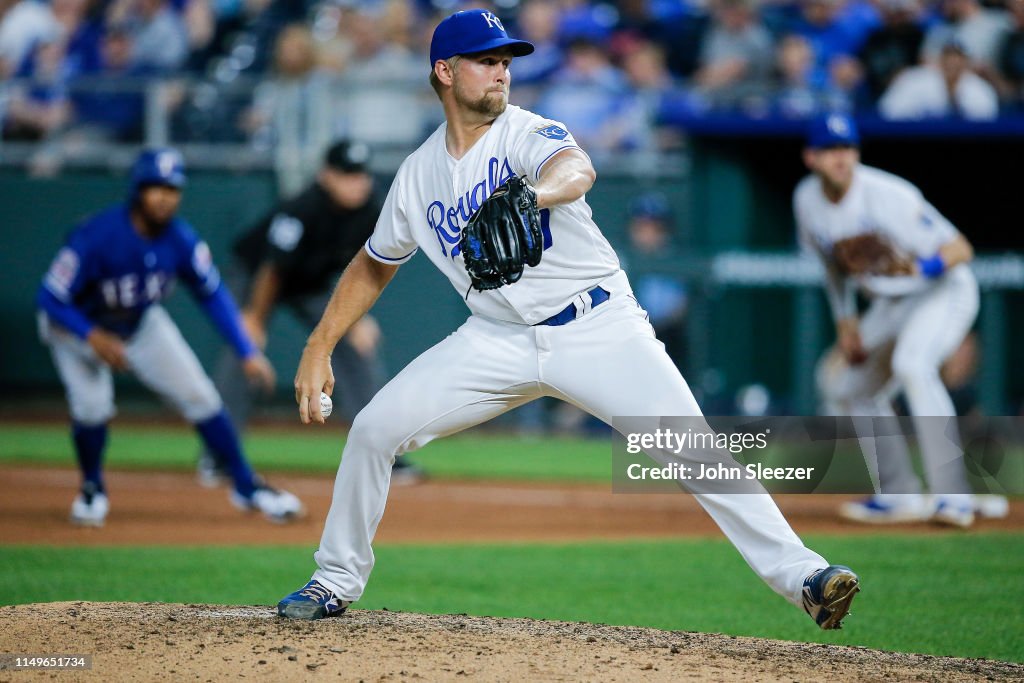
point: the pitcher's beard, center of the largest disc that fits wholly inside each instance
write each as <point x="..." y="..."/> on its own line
<point x="492" y="104"/>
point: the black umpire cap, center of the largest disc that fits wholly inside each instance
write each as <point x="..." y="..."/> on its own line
<point x="348" y="157"/>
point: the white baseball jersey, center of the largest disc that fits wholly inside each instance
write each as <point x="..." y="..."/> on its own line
<point x="913" y="324"/>
<point x="434" y="196"/>
<point x="877" y="202"/>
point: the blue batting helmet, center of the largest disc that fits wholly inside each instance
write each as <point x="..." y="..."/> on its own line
<point x="162" y="166"/>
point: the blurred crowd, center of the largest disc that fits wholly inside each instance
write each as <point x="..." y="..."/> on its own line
<point x="290" y="75"/>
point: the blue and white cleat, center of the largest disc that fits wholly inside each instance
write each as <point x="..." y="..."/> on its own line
<point x="955" y="511"/>
<point x="892" y="509"/>
<point x="828" y="593"/>
<point x="312" y="601"/>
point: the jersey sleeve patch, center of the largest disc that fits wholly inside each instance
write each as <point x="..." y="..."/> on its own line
<point x="552" y="132"/>
<point x="62" y="273"/>
<point x="202" y="264"/>
<point x="285" y="232"/>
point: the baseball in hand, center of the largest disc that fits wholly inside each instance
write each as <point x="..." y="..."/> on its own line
<point x="326" y="405"/>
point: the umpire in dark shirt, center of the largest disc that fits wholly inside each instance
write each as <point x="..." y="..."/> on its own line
<point x="294" y="256"/>
<point x="298" y="250"/>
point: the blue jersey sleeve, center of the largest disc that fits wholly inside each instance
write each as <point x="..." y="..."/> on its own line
<point x="195" y="262"/>
<point x="66" y="315"/>
<point x="197" y="270"/>
<point x="68" y="274"/>
<point x="221" y="308"/>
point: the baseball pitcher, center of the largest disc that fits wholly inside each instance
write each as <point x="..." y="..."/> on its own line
<point x="495" y="199"/>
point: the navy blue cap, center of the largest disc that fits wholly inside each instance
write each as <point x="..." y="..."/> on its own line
<point x="472" y="30"/>
<point x="651" y="205"/>
<point x="161" y="166"/>
<point x="833" y="130"/>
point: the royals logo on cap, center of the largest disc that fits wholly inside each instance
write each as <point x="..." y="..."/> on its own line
<point x="492" y="20"/>
<point x="471" y="31"/>
<point x="832" y="130"/>
<point x="838" y="126"/>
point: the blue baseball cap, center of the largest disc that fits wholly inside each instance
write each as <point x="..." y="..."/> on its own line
<point x="161" y="166"/>
<point x="833" y="130"/>
<point x="651" y="205"/>
<point x="472" y="30"/>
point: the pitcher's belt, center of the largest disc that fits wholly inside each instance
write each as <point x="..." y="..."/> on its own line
<point x="579" y="307"/>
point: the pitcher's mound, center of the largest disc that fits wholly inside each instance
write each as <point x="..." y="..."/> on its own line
<point x="150" y="641"/>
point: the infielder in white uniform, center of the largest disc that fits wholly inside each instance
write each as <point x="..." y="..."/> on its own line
<point x="570" y="328"/>
<point x="876" y="232"/>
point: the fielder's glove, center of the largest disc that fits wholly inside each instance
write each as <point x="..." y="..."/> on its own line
<point x="869" y="254"/>
<point x="503" y="236"/>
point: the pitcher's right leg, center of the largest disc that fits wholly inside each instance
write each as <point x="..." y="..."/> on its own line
<point x="482" y="370"/>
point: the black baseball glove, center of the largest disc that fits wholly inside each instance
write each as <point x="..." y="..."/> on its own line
<point x="503" y="236"/>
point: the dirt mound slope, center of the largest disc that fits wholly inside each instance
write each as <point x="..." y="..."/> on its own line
<point x="150" y="641"/>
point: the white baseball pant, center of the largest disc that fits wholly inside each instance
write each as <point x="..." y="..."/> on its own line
<point x="157" y="354"/>
<point x="608" y="362"/>
<point x="907" y="339"/>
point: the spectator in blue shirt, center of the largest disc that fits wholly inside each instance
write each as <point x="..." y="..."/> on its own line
<point x="38" y="104"/>
<point x="662" y="295"/>
<point x="110" y="102"/>
<point x="798" y="92"/>
<point x="159" y="35"/>
<point x="538" y="24"/>
<point x="586" y="95"/>
<point x="836" y="31"/>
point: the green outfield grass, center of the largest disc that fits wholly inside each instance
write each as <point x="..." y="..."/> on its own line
<point x="945" y="595"/>
<point x="318" y="450"/>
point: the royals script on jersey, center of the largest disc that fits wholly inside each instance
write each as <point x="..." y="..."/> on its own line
<point x="434" y="196"/>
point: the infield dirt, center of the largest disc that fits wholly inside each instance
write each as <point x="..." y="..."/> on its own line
<point x="152" y="641"/>
<point x="132" y="641"/>
<point x="160" y="508"/>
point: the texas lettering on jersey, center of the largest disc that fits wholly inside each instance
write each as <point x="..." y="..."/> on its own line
<point x="447" y="221"/>
<point x="126" y="292"/>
